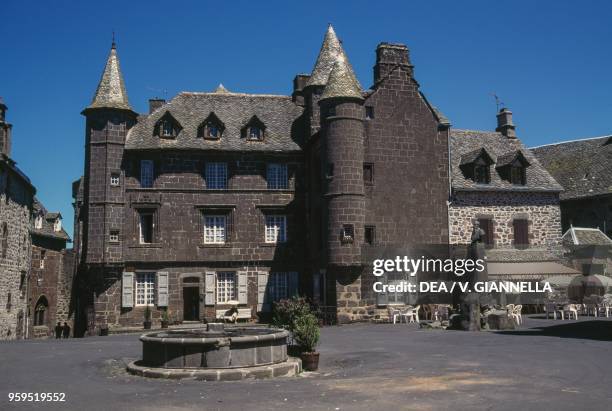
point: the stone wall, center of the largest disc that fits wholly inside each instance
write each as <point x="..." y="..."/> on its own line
<point x="15" y="212"/>
<point x="540" y="209"/>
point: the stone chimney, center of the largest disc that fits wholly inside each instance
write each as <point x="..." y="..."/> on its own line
<point x="390" y="57"/>
<point x="504" y="123"/>
<point x="299" y="82"/>
<point x="5" y="131"/>
<point x="155" y="103"/>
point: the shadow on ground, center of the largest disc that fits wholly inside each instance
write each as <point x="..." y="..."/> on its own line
<point x="591" y="330"/>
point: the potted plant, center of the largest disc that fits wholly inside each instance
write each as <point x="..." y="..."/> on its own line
<point x="165" y="319"/>
<point x="306" y="333"/>
<point x="147" y="318"/>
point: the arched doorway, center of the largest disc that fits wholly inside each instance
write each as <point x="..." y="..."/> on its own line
<point x="41" y="311"/>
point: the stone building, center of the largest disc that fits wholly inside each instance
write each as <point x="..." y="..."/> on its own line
<point x="499" y="182"/>
<point x="50" y="279"/>
<point x="582" y="167"/>
<point x="222" y="198"/>
<point x="16" y="202"/>
<point x="589" y="250"/>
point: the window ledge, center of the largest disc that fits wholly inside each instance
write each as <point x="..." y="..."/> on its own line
<point x="226" y="245"/>
<point x="152" y="245"/>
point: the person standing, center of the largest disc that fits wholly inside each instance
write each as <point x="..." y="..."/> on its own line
<point x="66" y="331"/>
<point x="58" y="330"/>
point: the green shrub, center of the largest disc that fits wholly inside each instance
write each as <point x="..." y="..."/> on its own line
<point x="306" y="332"/>
<point x="147" y="313"/>
<point x="286" y="312"/>
<point x="165" y="317"/>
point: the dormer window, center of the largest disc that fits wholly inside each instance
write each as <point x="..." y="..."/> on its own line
<point x="476" y="166"/>
<point x="254" y="129"/>
<point x="57" y="225"/>
<point x="512" y="167"/>
<point x="255" y="133"/>
<point x="167" y="127"/>
<point x="517" y="175"/>
<point x="482" y="174"/>
<point x="211" y="128"/>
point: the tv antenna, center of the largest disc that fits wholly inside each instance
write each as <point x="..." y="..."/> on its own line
<point x="498" y="103"/>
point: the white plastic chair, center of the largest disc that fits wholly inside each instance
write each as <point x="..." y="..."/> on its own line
<point x="570" y="309"/>
<point x="441" y="312"/>
<point x="411" y="314"/>
<point x="552" y="308"/>
<point x="518" y="313"/>
<point x="394" y="314"/>
<point x="604" y="310"/>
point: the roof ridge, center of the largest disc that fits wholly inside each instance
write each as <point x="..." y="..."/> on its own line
<point x="571" y="141"/>
<point x="230" y="93"/>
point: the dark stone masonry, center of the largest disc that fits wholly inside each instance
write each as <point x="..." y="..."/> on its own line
<point x="221" y="199"/>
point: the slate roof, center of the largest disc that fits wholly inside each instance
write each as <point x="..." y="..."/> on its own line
<point x="280" y="116"/>
<point x="582" y="167"/>
<point x="586" y="236"/>
<point x="464" y="142"/>
<point x="330" y="50"/>
<point x="111" y="89"/>
<point x="342" y="82"/>
<point x="47" y="229"/>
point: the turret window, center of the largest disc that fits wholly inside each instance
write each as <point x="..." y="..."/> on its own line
<point x="369" y="112"/>
<point x="368" y="173"/>
<point x="114" y="179"/>
<point x="348" y="233"/>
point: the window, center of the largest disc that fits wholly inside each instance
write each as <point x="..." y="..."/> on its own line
<point x="369" y="112"/>
<point x="481" y="172"/>
<point x="276" y="229"/>
<point x="370" y="234"/>
<point x="42" y="259"/>
<point x="329" y="173"/>
<point x="517" y="175"/>
<point x="146" y="173"/>
<point x="368" y="173"/>
<point x="277" y="177"/>
<point x="167" y="128"/>
<point x="4" y="239"/>
<point x="348" y="233"/>
<point x="521" y="233"/>
<point x="216" y="176"/>
<point x="212" y="131"/>
<point x="57" y="225"/>
<point x="255" y="133"/>
<point x="214" y="229"/>
<point x="38" y="222"/>
<point x="278" y="286"/>
<point x="145" y="227"/>
<point x="114" y="179"/>
<point x="145" y="288"/>
<point x="211" y="128"/>
<point x="486" y="224"/>
<point x="226" y="286"/>
<point x="114" y="236"/>
<point x="9" y="301"/>
<point x="40" y="311"/>
<point x="331" y="111"/>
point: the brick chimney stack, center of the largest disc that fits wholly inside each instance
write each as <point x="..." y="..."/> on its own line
<point x="391" y="58"/>
<point x="155" y="103"/>
<point x="504" y="123"/>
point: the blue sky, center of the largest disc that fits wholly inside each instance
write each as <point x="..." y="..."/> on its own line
<point x="549" y="61"/>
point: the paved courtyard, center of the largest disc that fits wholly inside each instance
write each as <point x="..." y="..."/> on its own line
<point x="547" y="365"/>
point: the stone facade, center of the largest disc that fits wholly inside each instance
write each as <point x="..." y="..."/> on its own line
<point x="16" y="202"/>
<point x="51" y="275"/>
<point x="502" y="208"/>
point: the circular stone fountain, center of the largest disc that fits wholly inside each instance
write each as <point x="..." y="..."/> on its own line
<point x="217" y="353"/>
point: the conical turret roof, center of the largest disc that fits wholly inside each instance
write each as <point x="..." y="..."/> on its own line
<point x="342" y="81"/>
<point x="330" y="51"/>
<point x="111" y="89"/>
<point x="221" y="89"/>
